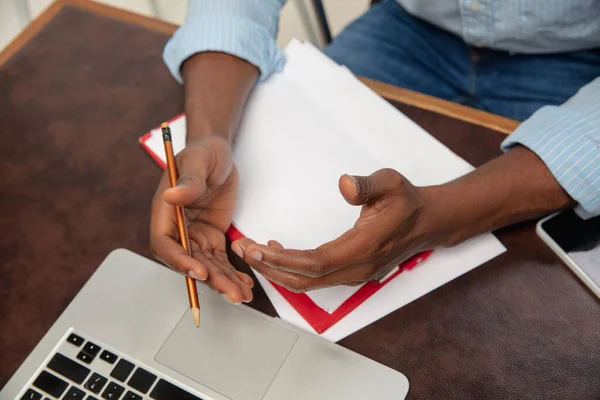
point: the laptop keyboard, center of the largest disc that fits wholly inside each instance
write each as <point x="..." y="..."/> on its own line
<point x="82" y="370"/>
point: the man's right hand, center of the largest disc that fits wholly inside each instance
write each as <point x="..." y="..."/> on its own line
<point x="216" y="88"/>
<point x="207" y="189"/>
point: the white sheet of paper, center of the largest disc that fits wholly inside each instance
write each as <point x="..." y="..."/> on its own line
<point x="304" y="128"/>
<point x="389" y="135"/>
<point x="290" y="156"/>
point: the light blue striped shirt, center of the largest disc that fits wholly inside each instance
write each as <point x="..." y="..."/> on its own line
<point x="566" y="137"/>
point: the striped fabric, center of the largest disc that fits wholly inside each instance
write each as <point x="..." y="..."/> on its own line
<point x="519" y="26"/>
<point x="244" y="28"/>
<point x="566" y="138"/>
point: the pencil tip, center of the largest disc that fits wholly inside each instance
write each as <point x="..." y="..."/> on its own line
<point x="196" y="315"/>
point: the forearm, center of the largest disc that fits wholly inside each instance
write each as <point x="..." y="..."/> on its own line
<point x="514" y="187"/>
<point x="216" y="86"/>
<point x="218" y="53"/>
<point x="518" y="185"/>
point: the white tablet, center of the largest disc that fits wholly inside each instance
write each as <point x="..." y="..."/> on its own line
<point x="577" y="242"/>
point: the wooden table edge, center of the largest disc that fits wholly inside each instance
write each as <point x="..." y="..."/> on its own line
<point x="390" y="92"/>
<point x="441" y="106"/>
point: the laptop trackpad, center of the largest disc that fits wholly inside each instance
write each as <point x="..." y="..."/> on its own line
<point x="234" y="352"/>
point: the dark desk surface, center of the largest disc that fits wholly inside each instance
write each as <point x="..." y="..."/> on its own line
<point x="85" y="81"/>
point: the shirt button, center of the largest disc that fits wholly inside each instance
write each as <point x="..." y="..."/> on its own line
<point x="475" y="6"/>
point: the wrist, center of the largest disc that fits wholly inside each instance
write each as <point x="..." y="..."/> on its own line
<point x="216" y="88"/>
<point x="512" y="188"/>
<point x="210" y="139"/>
<point x="446" y="216"/>
<point x="196" y="134"/>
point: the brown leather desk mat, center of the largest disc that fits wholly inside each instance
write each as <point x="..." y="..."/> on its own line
<point x="75" y="184"/>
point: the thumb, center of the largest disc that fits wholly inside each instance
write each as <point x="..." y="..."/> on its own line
<point x="189" y="189"/>
<point x="360" y="190"/>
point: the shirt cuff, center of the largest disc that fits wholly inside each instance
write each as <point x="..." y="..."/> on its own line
<point x="234" y="35"/>
<point x="566" y="140"/>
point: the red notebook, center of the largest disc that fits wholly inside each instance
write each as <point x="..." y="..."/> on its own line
<point x="318" y="318"/>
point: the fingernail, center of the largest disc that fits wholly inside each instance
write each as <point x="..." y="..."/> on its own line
<point x="237" y="250"/>
<point x="226" y="297"/>
<point x="356" y="184"/>
<point x="256" y="254"/>
<point x="193" y="275"/>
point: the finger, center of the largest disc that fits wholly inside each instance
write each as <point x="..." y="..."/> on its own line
<point x="297" y="283"/>
<point x="220" y="261"/>
<point x="245" y="278"/>
<point x="293" y="282"/>
<point x="245" y="282"/>
<point x="237" y="249"/>
<point x="190" y="188"/>
<point x="221" y="283"/>
<point x="171" y="253"/>
<point x="239" y="246"/>
<point x="194" y="166"/>
<point x="163" y="242"/>
<point x="388" y="269"/>
<point x="275" y="244"/>
<point x="208" y="162"/>
<point x="162" y="214"/>
<point x="359" y="190"/>
<point x="221" y="274"/>
<point x="348" y="249"/>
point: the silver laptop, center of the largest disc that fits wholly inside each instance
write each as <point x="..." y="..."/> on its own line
<point x="128" y="335"/>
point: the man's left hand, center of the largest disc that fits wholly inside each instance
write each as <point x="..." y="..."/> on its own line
<point x="392" y="227"/>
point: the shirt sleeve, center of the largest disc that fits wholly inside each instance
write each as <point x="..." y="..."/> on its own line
<point x="567" y="139"/>
<point x="243" y="28"/>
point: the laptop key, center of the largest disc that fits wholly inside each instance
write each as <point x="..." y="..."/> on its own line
<point x="68" y="368"/>
<point x="167" y="391"/>
<point x="74" y="394"/>
<point x="108" y="357"/>
<point x="91" y="349"/>
<point x="90" y="398"/>
<point x="113" y="391"/>
<point x="95" y="383"/>
<point x="31" y="394"/>
<point x="50" y="384"/>
<point x="85" y="357"/>
<point x="75" y="339"/>
<point x="122" y="370"/>
<point x="132" y="396"/>
<point x="141" y="380"/>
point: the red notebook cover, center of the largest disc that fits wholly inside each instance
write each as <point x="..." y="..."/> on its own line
<point x="318" y="318"/>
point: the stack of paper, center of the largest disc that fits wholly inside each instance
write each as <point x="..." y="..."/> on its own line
<point x="302" y="129"/>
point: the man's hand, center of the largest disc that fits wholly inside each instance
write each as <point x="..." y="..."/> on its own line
<point x="391" y="228"/>
<point x="207" y="188"/>
<point x="399" y="220"/>
<point x="216" y="88"/>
